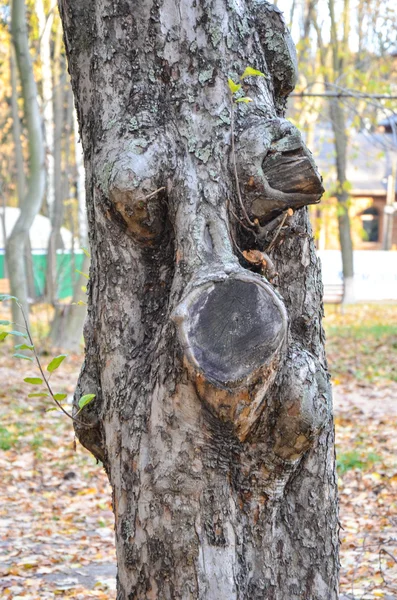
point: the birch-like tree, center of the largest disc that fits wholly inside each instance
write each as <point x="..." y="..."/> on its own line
<point x="32" y="200"/>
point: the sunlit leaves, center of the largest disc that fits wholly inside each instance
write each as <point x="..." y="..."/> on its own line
<point x="22" y="356"/>
<point x="86" y="399"/>
<point x="54" y="364"/>
<point x="34" y="380"/>
<point x="4" y="334"/>
<point x="24" y="347"/>
<point x="233" y="87"/>
<point x="83" y="274"/>
<point x="250" y="72"/>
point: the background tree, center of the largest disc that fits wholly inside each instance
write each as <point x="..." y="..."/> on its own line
<point x="31" y="203"/>
<point x="212" y="413"/>
<point x="345" y="49"/>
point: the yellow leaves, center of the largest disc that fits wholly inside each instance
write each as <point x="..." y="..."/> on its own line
<point x="245" y="99"/>
<point x="87" y="491"/>
<point x="50" y="498"/>
<point x="236" y="87"/>
<point x="250" y="72"/>
<point x="233" y="87"/>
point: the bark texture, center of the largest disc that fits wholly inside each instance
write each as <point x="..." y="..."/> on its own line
<point x="213" y="406"/>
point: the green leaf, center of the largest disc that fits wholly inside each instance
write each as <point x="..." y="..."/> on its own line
<point x="250" y="72"/>
<point x="24" y="347"/>
<point x="88" y="255"/>
<point x="5" y="322"/>
<point x="17" y="333"/>
<point x="34" y="380"/>
<point x="38" y="395"/>
<point x="54" y="364"/>
<point x="17" y="355"/>
<point x="86" y="399"/>
<point x="3" y="335"/>
<point x="7" y="297"/>
<point x="52" y="408"/>
<point x="233" y="87"/>
<point x="60" y="396"/>
<point x="84" y="288"/>
<point x="245" y="99"/>
<point x="83" y="274"/>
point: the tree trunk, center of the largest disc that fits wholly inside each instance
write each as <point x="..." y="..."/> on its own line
<point x="80" y="184"/>
<point x="57" y="205"/>
<point x="212" y="413"/>
<point x="338" y="121"/>
<point x="36" y="176"/>
<point x="16" y="129"/>
<point x="45" y="30"/>
<point x="67" y="325"/>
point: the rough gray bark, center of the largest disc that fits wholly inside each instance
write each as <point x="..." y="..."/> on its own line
<point x="36" y="175"/>
<point x="212" y="414"/>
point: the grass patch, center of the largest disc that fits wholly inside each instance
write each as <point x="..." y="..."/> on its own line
<point x="362" y="343"/>
<point x="7" y="439"/>
<point x="346" y="461"/>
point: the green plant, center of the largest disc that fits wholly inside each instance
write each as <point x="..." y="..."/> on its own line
<point x="7" y="439"/>
<point x="356" y="460"/>
<point x="43" y="381"/>
<point x="235" y="89"/>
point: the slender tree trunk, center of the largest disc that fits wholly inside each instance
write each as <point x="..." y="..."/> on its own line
<point x="21" y="180"/>
<point x="57" y="205"/>
<point x="36" y="175"/>
<point x="16" y="129"/>
<point x="338" y="121"/>
<point x="45" y="30"/>
<point x="67" y="326"/>
<point x="80" y="184"/>
<point x="212" y="413"/>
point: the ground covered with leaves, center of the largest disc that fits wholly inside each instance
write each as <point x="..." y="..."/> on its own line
<point x="56" y="523"/>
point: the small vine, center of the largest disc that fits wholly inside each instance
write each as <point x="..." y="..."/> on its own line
<point x="44" y="380"/>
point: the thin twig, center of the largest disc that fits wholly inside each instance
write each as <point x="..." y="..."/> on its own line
<point x="89" y="425"/>
<point x="235" y="167"/>
<point x="277" y="232"/>
<point x="154" y="193"/>
<point x="238" y="219"/>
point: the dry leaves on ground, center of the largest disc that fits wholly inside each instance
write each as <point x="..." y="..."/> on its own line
<point x="56" y="524"/>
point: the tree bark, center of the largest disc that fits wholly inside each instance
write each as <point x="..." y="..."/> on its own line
<point x="212" y="414"/>
<point x="36" y="176"/>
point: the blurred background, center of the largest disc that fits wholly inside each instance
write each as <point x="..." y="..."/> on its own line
<point x="345" y="105"/>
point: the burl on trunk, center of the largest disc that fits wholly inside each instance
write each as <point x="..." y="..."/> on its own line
<point x="212" y="414"/>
